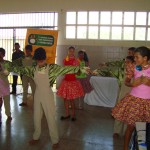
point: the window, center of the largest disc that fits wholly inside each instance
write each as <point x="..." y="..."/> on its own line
<point x="93" y="32"/>
<point x="82" y="18"/>
<point x="128" y="18"/>
<point x="93" y="17"/>
<point x="71" y="18"/>
<point x="128" y="33"/>
<point x="116" y="18"/>
<point x="140" y="33"/>
<point x="104" y="32"/>
<point x="108" y="25"/>
<point x="81" y="32"/>
<point x="29" y="20"/>
<point x="70" y="32"/>
<point x="116" y="33"/>
<point x="13" y="28"/>
<point x="148" y="35"/>
<point x="141" y="18"/>
<point x="149" y="18"/>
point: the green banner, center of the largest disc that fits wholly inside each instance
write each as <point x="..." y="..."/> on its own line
<point x="41" y="40"/>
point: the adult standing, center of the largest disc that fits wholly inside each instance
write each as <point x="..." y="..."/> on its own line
<point x="16" y="55"/>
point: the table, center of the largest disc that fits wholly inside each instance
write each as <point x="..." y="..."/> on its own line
<point x="105" y="92"/>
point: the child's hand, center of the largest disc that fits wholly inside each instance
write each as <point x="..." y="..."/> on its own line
<point x="102" y="64"/>
<point x="78" y="73"/>
<point x="95" y="72"/>
<point x="86" y="70"/>
<point x="137" y="82"/>
<point x="90" y="72"/>
<point x="6" y="72"/>
<point x="145" y="80"/>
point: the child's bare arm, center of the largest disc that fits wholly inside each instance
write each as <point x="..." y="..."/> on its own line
<point x="146" y="80"/>
<point x="134" y="82"/>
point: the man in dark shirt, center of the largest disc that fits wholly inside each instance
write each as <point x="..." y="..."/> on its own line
<point x="16" y="55"/>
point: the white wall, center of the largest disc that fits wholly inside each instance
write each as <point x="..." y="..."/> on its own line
<point x="58" y="5"/>
<point x="98" y="50"/>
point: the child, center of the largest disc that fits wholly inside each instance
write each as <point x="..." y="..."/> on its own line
<point x="70" y="88"/>
<point x="4" y="91"/>
<point x="4" y="86"/>
<point x="135" y="107"/>
<point x="43" y="75"/>
<point x="83" y="79"/>
<point x="86" y="59"/>
<point x="131" y="51"/>
<point x="120" y="127"/>
<point x="27" y="61"/>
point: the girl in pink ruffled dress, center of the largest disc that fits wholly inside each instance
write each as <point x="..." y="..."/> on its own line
<point x="4" y="86"/>
<point x="135" y="107"/>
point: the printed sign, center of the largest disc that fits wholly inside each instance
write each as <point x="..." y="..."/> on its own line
<point x="46" y="39"/>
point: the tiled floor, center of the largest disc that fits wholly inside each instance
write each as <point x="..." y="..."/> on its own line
<point x="92" y="131"/>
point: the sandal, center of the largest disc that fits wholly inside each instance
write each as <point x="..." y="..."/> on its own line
<point x="9" y="118"/>
<point x="55" y="146"/>
<point x="73" y="119"/>
<point x="64" y="118"/>
<point x="115" y="135"/>
<point x="33" y="142"/>
<point x="23" y="104"/>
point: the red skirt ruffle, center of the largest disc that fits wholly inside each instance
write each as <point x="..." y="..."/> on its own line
<point x="70" y="90"/>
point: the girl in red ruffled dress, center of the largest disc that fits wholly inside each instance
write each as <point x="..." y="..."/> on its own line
<point x="70" y="88"/>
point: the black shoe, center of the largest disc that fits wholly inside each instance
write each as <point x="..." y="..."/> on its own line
<point x="73" y="119"/>
<point x="23" y="104"/>
<point x="64" y="118"/>
<point x="9" y="118"/>
<point x="14" y="93"/>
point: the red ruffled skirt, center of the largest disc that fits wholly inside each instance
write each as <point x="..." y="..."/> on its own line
<point x="132" y="109"/>
<point x="70" y="90"/>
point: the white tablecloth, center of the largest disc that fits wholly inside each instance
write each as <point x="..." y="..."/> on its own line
<point x="105" y="92"/>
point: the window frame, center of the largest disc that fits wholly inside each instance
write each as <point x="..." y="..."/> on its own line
<point x="99" y="25"/>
